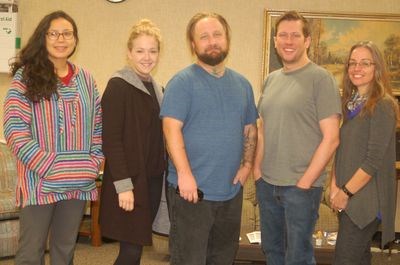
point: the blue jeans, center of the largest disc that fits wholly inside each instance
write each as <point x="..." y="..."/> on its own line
<point x="287" y="219"/>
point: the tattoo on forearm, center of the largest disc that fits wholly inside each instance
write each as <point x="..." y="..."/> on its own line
<point x="249" y="145"/>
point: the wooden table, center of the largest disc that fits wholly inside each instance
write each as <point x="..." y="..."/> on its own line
<point x="252" y="253"/>
<point x="93" y="229"/>
<point x="249" y="253"/>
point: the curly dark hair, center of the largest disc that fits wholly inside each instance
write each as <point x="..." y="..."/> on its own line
<point x="38" y="74"/>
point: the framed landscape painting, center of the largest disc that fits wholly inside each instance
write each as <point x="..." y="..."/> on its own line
<point x="333" y="34"/>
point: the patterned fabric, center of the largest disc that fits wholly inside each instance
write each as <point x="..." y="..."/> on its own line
<point x="57" y="142"/>
<point x="8" y="179"/>
<point x="9" y="233"/>
<point x="356" y="100"/>
<point x="8" y="210"/>
<point x="8" y="171"/>
<point x="9" y="224"/>
<point x="355" y="105"/>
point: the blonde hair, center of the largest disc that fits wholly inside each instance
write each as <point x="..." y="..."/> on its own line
<point x="144" y="27"/>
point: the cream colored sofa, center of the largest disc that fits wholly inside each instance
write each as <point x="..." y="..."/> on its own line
<point x="9" y="222"/>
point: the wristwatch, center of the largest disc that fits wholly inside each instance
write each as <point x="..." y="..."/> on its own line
<point x="346" y="191"/>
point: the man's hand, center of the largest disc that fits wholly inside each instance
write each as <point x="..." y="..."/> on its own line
<point x="126" y="200"/>
<point x="188" y="188"/>
<point x="177" y="152"/>
<point x="257" y="174"/>
<point x="242" y="174"/>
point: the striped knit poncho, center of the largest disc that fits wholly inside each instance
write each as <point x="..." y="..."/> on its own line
<point x="57" y="142"/>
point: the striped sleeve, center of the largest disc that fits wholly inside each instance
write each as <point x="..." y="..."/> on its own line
<point x="96" y="146"/>
<point x="17" y="131"/>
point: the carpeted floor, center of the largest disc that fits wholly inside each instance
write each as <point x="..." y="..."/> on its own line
<point x="85" y="254"/>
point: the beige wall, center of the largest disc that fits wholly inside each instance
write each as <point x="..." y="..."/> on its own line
<point x="103" y="29"/>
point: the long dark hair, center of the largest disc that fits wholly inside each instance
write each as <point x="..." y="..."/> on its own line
<point x="38" y="74"/>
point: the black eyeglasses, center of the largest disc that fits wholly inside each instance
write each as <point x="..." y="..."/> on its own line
<point x="363" y="64"/>
<point x="54" y="35"/>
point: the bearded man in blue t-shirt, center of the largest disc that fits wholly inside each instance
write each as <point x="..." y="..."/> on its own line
<point x="209" y="118"/>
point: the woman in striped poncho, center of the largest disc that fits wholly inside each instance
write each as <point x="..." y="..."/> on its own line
<point x="52" y="123"/>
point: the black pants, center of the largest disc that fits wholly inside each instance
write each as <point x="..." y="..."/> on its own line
<point x="205" y="233"/>
<point x="129" y="254"/>
<point x="353" y="244"/>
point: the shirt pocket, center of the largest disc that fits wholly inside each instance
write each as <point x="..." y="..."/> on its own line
<point x="71" y="171"/>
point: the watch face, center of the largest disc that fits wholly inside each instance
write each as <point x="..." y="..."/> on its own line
<point x="115" y="1"/>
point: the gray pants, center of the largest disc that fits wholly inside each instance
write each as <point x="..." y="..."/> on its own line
<point x="205" y="233"/>
<point x="61" y="220"/>
<point x="353" y="244"/>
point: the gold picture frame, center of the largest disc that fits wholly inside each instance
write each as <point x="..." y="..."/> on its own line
<point x="332" y="36"/>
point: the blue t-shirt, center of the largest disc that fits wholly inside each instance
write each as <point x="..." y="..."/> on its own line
<point x="214" y="112"/>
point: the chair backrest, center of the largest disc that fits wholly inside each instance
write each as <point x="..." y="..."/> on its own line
<point x="8" y="169"/>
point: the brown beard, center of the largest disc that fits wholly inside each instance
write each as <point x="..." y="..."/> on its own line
<point x="212" y="60"/>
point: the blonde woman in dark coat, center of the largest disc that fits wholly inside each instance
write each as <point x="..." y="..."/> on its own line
<point x="133" y="146"/>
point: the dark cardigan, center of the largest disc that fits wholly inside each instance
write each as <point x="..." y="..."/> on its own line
<point x="368" y="142"/>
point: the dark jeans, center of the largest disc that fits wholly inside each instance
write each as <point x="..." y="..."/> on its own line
<point x="287" y="220"/>
<point x="353" y="244"/>
<point x="205" y="233"/>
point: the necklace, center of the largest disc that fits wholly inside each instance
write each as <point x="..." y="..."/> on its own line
<point x="356" y="100"/>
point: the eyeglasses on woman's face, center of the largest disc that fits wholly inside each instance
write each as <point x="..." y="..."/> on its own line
<point x="363" y="64"/>
<point x="54" y="35"/>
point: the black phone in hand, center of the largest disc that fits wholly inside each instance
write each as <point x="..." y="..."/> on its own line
<point x="200" y="194"/>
